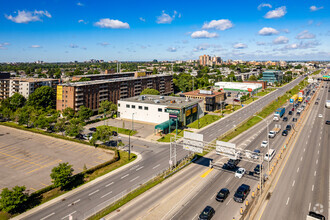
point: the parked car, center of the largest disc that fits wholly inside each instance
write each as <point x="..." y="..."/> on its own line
<point x="285" y="118"/>
<point x="92" y="129"/>
<point x="285" y="133"/>
<point x="222" y="195"/>
<point x="98" y="117"/>
<point x="264" y="144"/>
<point x="114" y="133"/>
<point x="207" y="213"/>
<point x="241" y="193"/>
<point x="288" y="127"/>
<point x="240" y="172"/>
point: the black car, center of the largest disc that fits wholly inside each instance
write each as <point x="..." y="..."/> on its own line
<point x="298" y="113"/>
<point x="316" y="103"/>
<point x="316" y="215"/>
<point x="284" y="133"/>
<point x="294" y="119"/>
<point x="288" y="127"/>
<point x="114" y="133"/>
<point x="285" y="118"/>
<point x="257" y="169"/>
<point x="222" y="195"/>
<point x="290" y="112"/>
<point x="207" y="213"/>
<point x="241" y="193"/>
<point x="92" y="129"/>
<point x="327" y="122"/>
<point x="231" y="164"/>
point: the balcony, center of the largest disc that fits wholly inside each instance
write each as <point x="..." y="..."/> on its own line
<point x="103" y="99"/>
<point x="79" y="99"/>
<point x="78" y="89"/>
<point x="103" y="90"/>
<point x="104" y="95"/>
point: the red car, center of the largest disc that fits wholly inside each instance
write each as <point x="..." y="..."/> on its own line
<point x="292" y="109"/>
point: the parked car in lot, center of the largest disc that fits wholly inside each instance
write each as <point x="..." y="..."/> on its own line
<point x="284" y="133"/>
<point x="288" y="127"/>
<point x="285" y="118"/>
<point x="241" y="193"/>
<point x="264" y="144"/>
<point x="240" y="172"/>
<point x="207" y="213"/>
<point x="222" y="195"/>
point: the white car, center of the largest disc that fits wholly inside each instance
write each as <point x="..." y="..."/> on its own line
<point x="320" y="115"/>
<point x="264" y="144"/>
<point x="240" y="172"/>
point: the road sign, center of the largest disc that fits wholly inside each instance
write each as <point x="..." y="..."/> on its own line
<point x="226" y="149"/>
<point x="193" y="142"/>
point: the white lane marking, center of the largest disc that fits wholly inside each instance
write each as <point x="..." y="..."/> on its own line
<point x="228" y="201"/>
<point x="74" y="202"/>
<point x="315" y="173"/>
<point x="304" y="149"/>
<point x="317" y="161"/>
<point x="109" y="184"/>
<point x="298" y="170"/>
<point x="318" y="152"/>
<point x="293" y="183"/>
<point x="301" y="158"/>
<point x="213" y="196"/>
<point x="134" y="179"/>
<point x="48" y="216"/>
<point x="309" y="207"/>
<point x="227" y="180"/>
<point x="319" y="144"/>
<point x="287" y="202"/>
<point x="134" y="167"/>
<point x="313" y="188"/>
<point x="106" y="194"/>
<point x="124" y="176"/>
<point x="69" y="214"/>
<point x="156" y="166"/>
<point x="93" y="192"/>
<point x="139" y="168"/>
<point x="195" y="216"/>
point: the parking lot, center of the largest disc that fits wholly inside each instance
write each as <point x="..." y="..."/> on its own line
<point x="27" y="158"/>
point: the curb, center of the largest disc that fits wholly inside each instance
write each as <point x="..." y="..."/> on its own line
<point x="72" y="192"/>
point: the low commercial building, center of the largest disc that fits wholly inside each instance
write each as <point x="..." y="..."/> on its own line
<point x="163" y="111"/>
<point x="272" y="76"/>
<point x="252" y="88"/>
<point x="91" y="93"/>
<point x="24" y="86"/>
<point x="212" y="99"/>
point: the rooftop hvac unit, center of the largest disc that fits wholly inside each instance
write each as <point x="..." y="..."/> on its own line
<point x="156" y="101"/>
<point x="161" y="97"/>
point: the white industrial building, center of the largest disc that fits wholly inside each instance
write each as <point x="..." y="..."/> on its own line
<point x="161" y="109"/>
<point x="239" y="87"/>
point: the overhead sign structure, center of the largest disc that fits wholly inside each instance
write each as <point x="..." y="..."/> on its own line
<point x="226" y="149"/>
<point x="193" y="142"/>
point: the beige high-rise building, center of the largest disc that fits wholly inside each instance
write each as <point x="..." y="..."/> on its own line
<point x="206" y="60"/>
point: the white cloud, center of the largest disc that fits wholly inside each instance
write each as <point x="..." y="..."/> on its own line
<point x="264" y="5"/>
<point x="3" y="45"/>
<point x="202" y="47"/>
<point x="305" y="35"/>
<point x="222" y="24"/>
<point x="36" y="46"/>
<point x="82" y="21"/>
<point x="104" y="44"/>
<point x="286" y="31"/>
<point x="267" y="31"/>
<point x="80" y="4"/>
<point x="110" y="23"/>
<point x="203" y="34"/>
<point x="281" y="40"/>
<point x="142" y="19"/>
<point x="28" y="16"/>
<point x="171" y="49"/>
<point x="301" y="45"/>
<point x="166" y="18"/>
<point x="240" y="46"/>
<point x="260" y="43"/>
<point x="277" y="13"/>
<point x="314" y="8"/>
<point x="73" y="46"/>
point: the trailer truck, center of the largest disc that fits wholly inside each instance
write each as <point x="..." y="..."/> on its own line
<point x="278" y="114"/>
<point x="275" y="130"/>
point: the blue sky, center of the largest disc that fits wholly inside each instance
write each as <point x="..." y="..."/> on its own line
<point x="58" y="30"/>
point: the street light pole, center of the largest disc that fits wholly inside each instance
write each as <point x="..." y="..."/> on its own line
<point x="268" y="143"/>
<point x="133" y="121"/>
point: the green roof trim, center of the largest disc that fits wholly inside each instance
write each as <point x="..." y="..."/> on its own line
<point x="165" y="124"/>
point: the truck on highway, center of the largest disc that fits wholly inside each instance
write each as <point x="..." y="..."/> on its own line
<point x="293" y="98"/>
<point x="314" y="216"/>
<point x="300" y="99"/>
<point x="278" y="114"/>
<point x="302" y="92"/>
<point x="275" y="130"/>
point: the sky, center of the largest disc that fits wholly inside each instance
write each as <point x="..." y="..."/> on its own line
<point x="69" y="30"/>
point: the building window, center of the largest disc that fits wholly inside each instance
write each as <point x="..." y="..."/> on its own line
<point x="160" y="110"/>
<point x="133" y="106"/>
<point x="146" y="108"/>
<point x="127" y="106"/>
<point x="140" y="107"/>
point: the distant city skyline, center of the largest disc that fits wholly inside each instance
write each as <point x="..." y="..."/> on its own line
<point x="62" y="31"/>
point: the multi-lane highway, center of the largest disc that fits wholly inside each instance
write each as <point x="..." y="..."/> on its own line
<point x="154" y="160"/>
<point x="304" y="182"/>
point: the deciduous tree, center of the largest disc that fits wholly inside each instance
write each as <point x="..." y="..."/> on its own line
<point x="61" y="175"/>
<point x="12" y="200"/>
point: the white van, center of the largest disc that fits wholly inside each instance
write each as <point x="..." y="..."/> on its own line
<point x="270" y="154"/>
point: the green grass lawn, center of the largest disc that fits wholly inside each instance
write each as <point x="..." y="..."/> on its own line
<point x="204" y="121"/>
<point x="167" y="137"/>
<point x="249" y="101"/>
<point x="262" y="93"/>
<point x="123" y="130"/>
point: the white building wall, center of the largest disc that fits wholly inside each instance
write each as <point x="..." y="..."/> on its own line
<point x="152" y="115"/>
<point x="24" y="89"/>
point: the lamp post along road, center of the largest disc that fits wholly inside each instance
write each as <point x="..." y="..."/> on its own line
<point x="268" y="143"/>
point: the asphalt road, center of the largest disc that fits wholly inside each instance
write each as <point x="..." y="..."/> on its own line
<point x="155" y="160"/>
<point x="304" y="183"/>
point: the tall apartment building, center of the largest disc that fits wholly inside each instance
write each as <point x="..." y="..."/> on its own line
<point x="206" y="60"/>
<point x="24" y="86"/>
<point x="110" y="75"/>
<point x="92" y="93"/>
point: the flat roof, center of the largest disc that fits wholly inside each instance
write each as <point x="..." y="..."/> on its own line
<point x="102" y="81"/>
<point x="169" y="101"/>
<point x="197" y="93"/>
<point x="33" y="79"/>
<point x="103" y="74"/>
